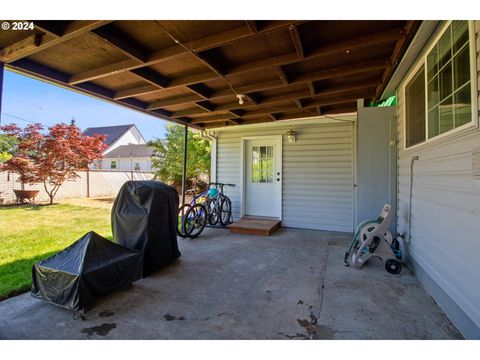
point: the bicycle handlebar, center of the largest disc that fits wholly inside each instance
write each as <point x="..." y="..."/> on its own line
<point x="221" y="184"/>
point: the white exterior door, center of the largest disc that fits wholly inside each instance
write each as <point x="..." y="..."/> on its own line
<point x="263" y="177"/>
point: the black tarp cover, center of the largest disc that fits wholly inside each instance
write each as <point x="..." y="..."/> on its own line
<point x="144" y="217"/>
<point x="86" y="270"/>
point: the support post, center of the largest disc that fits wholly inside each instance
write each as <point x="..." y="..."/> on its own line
<point x="2" y="69"/>
<point x="184" y="176"/>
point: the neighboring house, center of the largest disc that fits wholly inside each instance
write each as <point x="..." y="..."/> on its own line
<point x="128" y="157"/>
<point x="423" y="157"/>
<point x="127" y="149"/>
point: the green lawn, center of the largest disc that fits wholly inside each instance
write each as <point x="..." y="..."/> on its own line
<point x="31" y="233"/>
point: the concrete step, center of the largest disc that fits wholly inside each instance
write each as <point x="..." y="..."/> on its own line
<point x="255" y="226"/>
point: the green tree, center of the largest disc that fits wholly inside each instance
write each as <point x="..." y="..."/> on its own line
<point x="7" y="147"/>
<point x="168" y="158"/>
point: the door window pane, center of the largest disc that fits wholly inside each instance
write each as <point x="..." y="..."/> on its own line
<point x="262" y="164"/>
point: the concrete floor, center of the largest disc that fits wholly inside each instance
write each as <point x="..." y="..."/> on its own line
<point x="292" y="285"/>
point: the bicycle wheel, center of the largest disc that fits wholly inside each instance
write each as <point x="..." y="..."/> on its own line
<point x="182" y="211"/>
<point x="225" y="211"/>
<point x="211" y="206"/>
<point x="195" y="220"/>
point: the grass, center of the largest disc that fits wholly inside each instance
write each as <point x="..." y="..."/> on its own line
<point x="32" y="233"/>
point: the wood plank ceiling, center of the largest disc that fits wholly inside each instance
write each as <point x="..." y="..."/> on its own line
<point x="193" y="71"/>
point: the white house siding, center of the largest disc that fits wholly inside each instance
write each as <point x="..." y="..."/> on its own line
<point x="132" y="136"/>
<point x="127" y="164"/>
<point x="317" y="173"/>
<point x="445" y="225"/>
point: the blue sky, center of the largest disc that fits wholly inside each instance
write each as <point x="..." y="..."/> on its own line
<point x="48" y="104"/>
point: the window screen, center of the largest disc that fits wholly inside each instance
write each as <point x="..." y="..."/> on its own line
<point x="415" y="109"/>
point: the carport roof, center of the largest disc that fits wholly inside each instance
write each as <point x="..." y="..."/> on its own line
<point x="192" y="71"/>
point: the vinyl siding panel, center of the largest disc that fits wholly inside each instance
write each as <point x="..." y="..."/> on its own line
<point x="445" y="208"/>
<point x="317" y="173"/>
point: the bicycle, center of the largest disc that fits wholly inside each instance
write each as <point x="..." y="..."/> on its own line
<point x="215" y="207"/>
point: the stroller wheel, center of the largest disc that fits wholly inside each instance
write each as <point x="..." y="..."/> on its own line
<point x="393" y="266"/>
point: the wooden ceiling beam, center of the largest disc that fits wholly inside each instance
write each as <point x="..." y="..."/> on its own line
<point x="210" y="119"/>
<point x="287" y="114"/>
<point x="175" y="51"/>
<point x="297" y="41"/>
<point x="54" y="27"/>
<point x="298" y="102"/>
<point x="23" y="49"/>
<point x="339" y="91"/>
<point x="206" y="105"/>
<point x="236" y="113"/>
<point x="347" y="108"/>
<point x="342" y="71"/>
<point x="103" y="71"/>
<point x="138" y="91"/>
<point x="319" y="75"/>
<point x="280" y="109"/>
<point x="174" y="101"/>
<point x="115" y="38"/>
<point x="252" y="26"/>
<point x="200" y="90"/>
<point x="276" y="84"/>
<point x="235" y="121"/>
<point x="311" y="88"/>
<point x="281" y="74"/>
<point x="151" y="76"/>
<point x="285" y="59"/>
<point x="358" y="42"/>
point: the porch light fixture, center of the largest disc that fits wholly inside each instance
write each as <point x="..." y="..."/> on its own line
<point x="291" y="135"/>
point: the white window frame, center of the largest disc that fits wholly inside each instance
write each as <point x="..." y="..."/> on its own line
<point x="111" y="163"/>
<point x="473" y="124"/>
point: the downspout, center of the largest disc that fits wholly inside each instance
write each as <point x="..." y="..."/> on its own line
<point x="213" y="155"/>
<point x="409" y="238"/>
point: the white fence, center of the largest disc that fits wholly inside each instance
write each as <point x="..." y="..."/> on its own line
<point x="93" y="183"/>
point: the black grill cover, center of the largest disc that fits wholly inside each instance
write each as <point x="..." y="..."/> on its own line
<point x="86" y="270"/>
<point x="144" y="217"/>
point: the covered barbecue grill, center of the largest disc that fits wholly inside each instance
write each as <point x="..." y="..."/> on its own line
<point x="144" y="217"/>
